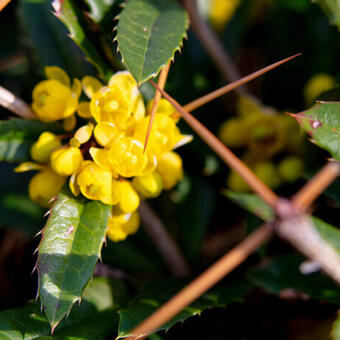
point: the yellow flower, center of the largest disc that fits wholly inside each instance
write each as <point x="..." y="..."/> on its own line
<point x="110" y="104"/>
<point x="82" y="135"/>
<point x="42" y="148"/>
<point x="165" y="108"/>
<point x="44" y="186"/>
<point x="221" y="12"/>
<point x="149" y="185"/>
<point x="170" y="169"/>
<point x="164" y="134"/>
<point x="55" y="99"/>
<point x="130" y="199"/>
<point x="96" y="183"/>
<point x="120" y="226"/>
<point x="125" y="81"/>
<point x="66" y="161"/>
<point x="127" y="157"/>
<point x="316" y="85"/>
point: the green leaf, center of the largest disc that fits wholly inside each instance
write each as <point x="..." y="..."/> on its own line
<point x="94" y="319"/>
<point x="71" y="16"/>
<point x="329" y="233"/>
<point x="49" y="38"/>
<point x="149" y="32"/>
<point x="283" y="273"/>
<point x="17" y="135"/>
<point x="252" y="203"/>
<point x="157" y="292"/>
<point x="335" y="333"/>
<point x="70" y="247"/>
<point x="332" y="10"/>
<point x="322" y="123"/>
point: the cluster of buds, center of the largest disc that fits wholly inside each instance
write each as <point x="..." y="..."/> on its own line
<point x="104" y="159"/>
<point x="271" y="144"/>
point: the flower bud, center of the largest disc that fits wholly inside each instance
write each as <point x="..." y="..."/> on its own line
<point x="130" y="199"/>
<point x="291" y="169"/>
<point x="66" y="161"/>
<point x="268" y="173"/>
<point x="148" y="186"/>
<point x="236" y="183"/>
<point x="42" y="148"/>
<point x="316" y="85"/>
<point x="170" y="169"/>
<point x="232" y="133"/>
<point x="44" y="186"/>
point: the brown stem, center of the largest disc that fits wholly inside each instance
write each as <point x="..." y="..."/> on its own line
<point x="223" y="152"/>
<point x="304" y="198"/>
<point x="212" y="45"/>
<point x="15" y="104"/>
<point x="161" y="83"/>
<point x="3" y="4"/>
<point x="204" y="282"/>
<point x="227" y="88"/>
<point x="163" y="241"/>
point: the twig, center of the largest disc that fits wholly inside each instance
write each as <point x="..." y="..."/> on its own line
<point x="227" y="88"/>
<point x="204" y="282"/>
<point x="161" y="83"/>
<point x="212" y="45"/>
<point x="163" y="241"/>
<point x="303" y="199"/>
<point x="15" y="104"/>
<point x="299" y="230"/>
<point x="3" y="4"/>
<point x="223" y="152"/>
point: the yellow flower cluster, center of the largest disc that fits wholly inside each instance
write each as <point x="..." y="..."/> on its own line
<point x="104" y="159"/>
<point x="265" y="136"/>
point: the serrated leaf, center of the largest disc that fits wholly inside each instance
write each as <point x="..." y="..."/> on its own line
<point x="149" y="32"/>
<point x="94" y="319"/>
<point x="283" y="273"/>
<point x="322" y="123"/>
<point x="70" y="15"/>
<point x="17" y="136"/>
<point x="154" y="294"/>
<point x="332" y="10"/>
<point x="69" y="249"/>
<point x="252" y="203"/>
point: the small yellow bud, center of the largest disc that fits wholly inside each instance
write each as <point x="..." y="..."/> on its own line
<point x="221" y="12"/>
<point x="148" y="186"/>
<point x="91" y="85"/>
<point x="232" y="133"/>
<point x="236" y="183"/>
<point x="44" y="186"/>
<point x="170" y="169"/>
<point x="122" y="225"/>
<point x="84" y="133"/>
<point x="291" y="169"/>
<point x="316" y="85"/>
<point x="66" y="161"/>
<point x="127" y="157"/>
<point x="42" y="148"/>
<point x="130" y="200"/>
<point x="268" y="173"/>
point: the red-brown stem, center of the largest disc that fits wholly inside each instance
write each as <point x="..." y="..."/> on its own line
<point x="161" y="83"/>
<point x="304" y="198"/>
<point x="204" y="282"/>
<point x="227" y="88"/>
<point x="223" y="152"/>
<point x="3" y="4"/>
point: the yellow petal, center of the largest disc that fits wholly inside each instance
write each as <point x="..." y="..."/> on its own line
<point x="69" y="123"/>
<point x="28" y="166"/>
<point x="100" y="157"/>
<point x="116" y="194"/>
<point x="74" y="187"/>
<point x="91" y="85"/>
<point x="184" y="139"/>
<point x="84" y="110"/>
<point x="55" y="72"/>
<point x="84" y="133"/>
<point x="105" y="132"/>
<point x="76" y="87"/>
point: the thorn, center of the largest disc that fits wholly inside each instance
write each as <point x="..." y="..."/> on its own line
<point x="227" y="88"/>
<point x="36" y="250"/>
<point x="38" y="233"/>
<point x="34" y="269"/>
<point x="47" y="212"/>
